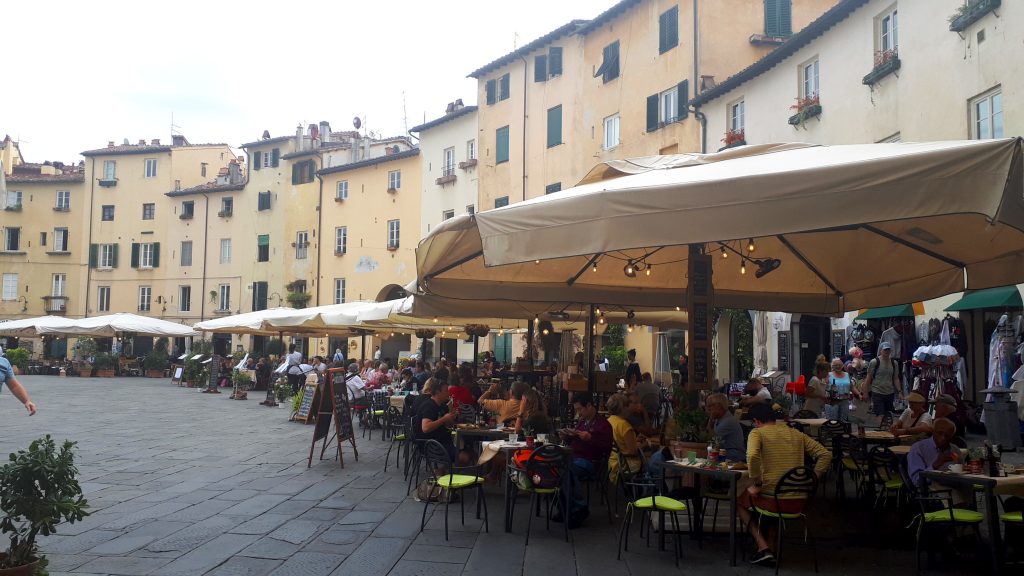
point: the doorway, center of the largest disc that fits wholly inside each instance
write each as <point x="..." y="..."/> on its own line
<point x="814" y="339"/>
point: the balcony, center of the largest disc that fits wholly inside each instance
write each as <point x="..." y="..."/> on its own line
<point x="467" y="164"/>
<point x="55" y="304"/>
<point x="13" y="207"/>
<point x="108" y="182"/>
<point x="185" y="216"/>
<point x="224" y="214"/>
<point x="448" y="178"/>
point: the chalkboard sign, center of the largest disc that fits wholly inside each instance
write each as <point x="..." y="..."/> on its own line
<point x="342" y="414"/>
<point x="838" y="343"/>
<point x="784" y="349"/>
<point x="179" y="371"/>
<point x="212" y="373"/>
<point x="334" y="405"/>
<point x="700" y="365"/>
<point x="699" y="284"/>
<point x="306" y="404"/>
<point x="700" y="321"/>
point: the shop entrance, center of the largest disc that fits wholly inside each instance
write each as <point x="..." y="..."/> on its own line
<point x="814" y="340"/>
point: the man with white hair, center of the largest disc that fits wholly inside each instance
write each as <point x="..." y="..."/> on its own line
<point x="7" y="377"/>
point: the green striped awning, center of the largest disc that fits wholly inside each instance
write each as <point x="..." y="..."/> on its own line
<point x="903" y="310"/>
<point x="1002" y="297"/>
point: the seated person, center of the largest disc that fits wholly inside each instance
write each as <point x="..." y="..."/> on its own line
<point x="532" y="415"/>
<point x="649" y="394"/>
<point x="590" y="442"/>
<point x="946" y="407"/>
<point x="356" y="387"/>
<point x="507" y="410"/>
<point x="406" y="382"/>
<point x="433" y="415"/>
<point x="773" y="449"/>
<point x="915" y="423"/>
<point x="756" y="393"/>
<point x="934" y="453"/>
<point x="726" y="427"/>
<point x="638" y="417"/>
<point x="623" y="436"/>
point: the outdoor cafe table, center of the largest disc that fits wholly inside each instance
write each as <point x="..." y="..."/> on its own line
<point x="463" y="435"/>
<point x="990" y="485"/>
<point x="811" y="425"/>
<point x="731" y="476"/>
<point x="488" y="452"/>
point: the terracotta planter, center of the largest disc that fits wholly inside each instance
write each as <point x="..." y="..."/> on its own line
<point x="105" y="373"/>
<point x="23" y="570"/>
<point x="154" y="373"/>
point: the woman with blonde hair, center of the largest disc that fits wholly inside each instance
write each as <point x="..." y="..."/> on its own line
<point x="816" y="393"/>
<point x="623" y="436"/>
<point x="532" y="415"/>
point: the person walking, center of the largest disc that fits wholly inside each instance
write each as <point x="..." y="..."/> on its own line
<point x="295" y="375"/>
<point x="7" y="377"/>
<point x="883" y="374"/>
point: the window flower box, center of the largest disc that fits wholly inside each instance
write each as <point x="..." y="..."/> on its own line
<point x="970" y="13"/>
<point x="445" y="180"/>
<point x="108" y="182"/>
<point x="886" y="62"/>
<point x="467" y="164"/>
<point x="13" y="207"/>
<point x="806" y="108"/>
<point x="734" y="138"/>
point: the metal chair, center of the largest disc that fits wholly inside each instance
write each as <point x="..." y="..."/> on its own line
<point x="798" y="483"/>
<point x="396" y="428"/>
<point x="645" y="495"/>
<point x="805" y="414"/>
<point x="543" y="462"/>
<point x="443" y="473"/>
<point x="853" y="459"/>
<point x="884" y="474"/>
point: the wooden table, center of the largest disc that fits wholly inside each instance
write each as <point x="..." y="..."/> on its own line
<point x="508" y="448"/>
<point x="731" y="476"/>
<point x="991" y="485"/>
<point x="811" y="424"/>
<point x="878" y="437"/>
<point x="902" y="450"/>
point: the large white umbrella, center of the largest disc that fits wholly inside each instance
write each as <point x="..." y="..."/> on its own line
<point x="247" y="323"/>
<point x="29" y="327"/>
<point x="119" y="323"/>
<point x="834" y="228"/>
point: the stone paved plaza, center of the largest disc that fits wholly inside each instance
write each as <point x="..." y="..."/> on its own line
<point x="183" y="483"/>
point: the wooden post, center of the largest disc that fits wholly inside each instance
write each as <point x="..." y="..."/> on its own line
<point x="589" y="343"/>
<point x="476" y="353"/>
<point x="699" y="305"/>
<point x="362" y="345"/>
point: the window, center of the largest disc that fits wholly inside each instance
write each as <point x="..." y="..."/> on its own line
<point x="103" y="298"/>
<point x="778" y="17"/>
<point x="394" y="179"/>
<point x="342" y="193"/>
<point x="504" y="87"/>
<point x="491" y="91"/>
<point x="736" y="116"/>
<point x="224" y="300"/>
<point x="339" y="290"/>
<point x="14" y="198"/>
<point x="147" y="255"/>
<point x="447" y="215"/>
<point x="227" y="206"/>
<point x="554" y="126"/>
<point x="144" y="295"/>
<point x="262" y="160"/>
<point x="470" y="209"/>
<point x="499" y="202"/>
<point x="107" y="255"/>
<point x="609" y="69"/>
<point x="12" y="239"/>
<point x="302" y="172"/>
<point x="263" y="201"/>
<point x="188" y="209"/>
<point x="501" y="145"/>
<point x="555" y="61"/>
<point x="259" y="295"/>
<point x="60" y="239"/>
<point x="471" y="150"/>
<point x="186" y="253"/>
<point x="107" y="213"/>
<point x="809" y="79"/>
<point x="63" y="200"/>
<point x="611" y="132"/>
<point x="10" y="288"/>
<point x="148" y="211"/>
<point x="888" y="31"/>
<point x="552" y="188"/>
<point x="668" y="30"/>
<point x="393" y="234"/>
<point x="263" y="248"/>
<point x="184" y="298"/>
<point x="448" y="168"/>
<point x="110" y="169"/>
<point x="60" y="282"/>
<point x="42" y="238"/>
<point x="301" y="245"/>
<point x="669" y="106"/>
<point x="150" y="167"/>
<point x="202" y="170"/>
<point x="540" y="68"/>
<point x="225" y="250"/>
<point x="987" y="115"/>
<point x="340" y="240"/>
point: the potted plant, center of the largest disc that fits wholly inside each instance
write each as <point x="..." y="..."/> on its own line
<point x="886" y="62"/>
<point x="970" y="12"/>
<point x="692" y="420"/>
<point x="806" y="108"/>
<point x="104" y="365"/>
<point x="18" y="358"/>
<point x="86" y="351"/>
<point x="282" y="390"/>
<point x="734" y="138"/>
<point x="38" y="491"/>
<point x="241" y="383"/>
<point x="298" y="299"/>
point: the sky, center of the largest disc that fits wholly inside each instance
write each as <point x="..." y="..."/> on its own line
<point x="79" y="74"/>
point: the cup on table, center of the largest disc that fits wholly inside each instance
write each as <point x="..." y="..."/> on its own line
<point x="513" y="437"/>
<point x="543" y="438"/>
<point x="956" y="468"/>
<point x="691" y="457"/>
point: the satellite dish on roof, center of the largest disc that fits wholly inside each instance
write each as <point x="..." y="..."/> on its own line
<point x="357" y="123"/>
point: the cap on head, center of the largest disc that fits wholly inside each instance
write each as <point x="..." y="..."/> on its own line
<point x="946" y="399"/>
<point x="885" y="346"/>
<point x="915" y="397"/>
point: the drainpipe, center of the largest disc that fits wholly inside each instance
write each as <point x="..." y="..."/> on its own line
<point x="700" y="116"/>
<point x="206" y="225"/>
<point x="319" y="232"/>
<point x="88" y="269"/>
<point x="525" y="85"/>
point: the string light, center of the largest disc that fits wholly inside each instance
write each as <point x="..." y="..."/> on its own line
<point x="536" y="261"/>
<point x="743" y="267"/>
<point x="595" y="266"/>
<point x="677" y="308"/>
<point x="648" y="270"/>
<point x="750" y="245"/>
<point x="501" y="332"/>
<point x="600" y="320"/>
<point x="629" y="270"/>
<point x="546" y="332"/>
<point x="536" y="319"/>
<point x="630" y="328"/>
<point x="724" y="253"/>
<point x="435" y="319"/>
<point x="598" y="311"/>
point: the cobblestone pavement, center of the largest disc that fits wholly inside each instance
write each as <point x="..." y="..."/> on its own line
<point x="183" y="483"/>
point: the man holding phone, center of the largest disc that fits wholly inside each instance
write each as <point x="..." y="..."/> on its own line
<point x="590" y="442"/>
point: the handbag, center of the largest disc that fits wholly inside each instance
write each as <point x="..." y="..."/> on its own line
<point x="429" y="491"/>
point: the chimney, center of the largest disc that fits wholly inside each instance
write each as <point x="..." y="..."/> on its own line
<point x="450" y="108"/>
<point x="458" y="104"/>
<point x="142" y="142"/>
<point x="155" y="142"/>
<point x="707" y="82"/>
<point x="266" y="135"/>
<point x="234" y="172"/>
<point x="298" y="138"/>
<point x="110" y="144"/>
<point x="179" y="140"/>
<point x="325" y="132"/>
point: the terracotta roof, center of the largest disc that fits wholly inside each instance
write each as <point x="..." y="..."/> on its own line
<point x="206" y="188"/>
<point x="447" y="117"/>
<point x="565" y="30"/>
<point x="812" y="31"/>
<point x="370" y="162"/>
<point x="30" y="178"/>
<point x="268" y="141"/>
<point x="607" y="16"/>
<point x="144" y="149"/>
<point x="322" y="148"/>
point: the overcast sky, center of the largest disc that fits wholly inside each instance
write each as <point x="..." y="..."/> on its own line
<point x="78" y="74"/>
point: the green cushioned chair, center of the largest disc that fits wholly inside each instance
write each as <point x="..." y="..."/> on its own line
<point x="797" y="483"/>
<point x="643" y="495"/>
<point x="1012" y="517"/>
<point x="454" y="482"/>
<point x="954" y="515"/>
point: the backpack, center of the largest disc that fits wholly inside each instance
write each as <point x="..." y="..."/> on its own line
<point x="543" y="472"/>
<point x="873" y="368"/>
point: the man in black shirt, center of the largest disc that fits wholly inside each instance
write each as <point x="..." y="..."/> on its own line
<point x="433" y="414"/>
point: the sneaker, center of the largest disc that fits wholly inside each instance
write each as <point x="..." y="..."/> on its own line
<point x="763" y="557"/>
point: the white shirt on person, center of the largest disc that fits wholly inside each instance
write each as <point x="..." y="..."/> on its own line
<point x="355" y="387"/>
<point x="294" y="360"/>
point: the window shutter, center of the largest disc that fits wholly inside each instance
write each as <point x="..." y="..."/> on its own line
<point x="94" y="251"/>
<point x="554" y="126"/>
<point x="113" y="254"/>
<point x="668" y="30"/>
<point x="555" y="61"/>
<point x="652" y="113"/>
<point x="296" y="170"/>
<point x="135" y="254"/>
<point x="501" y="145"/>
<point x="490" y="89"/>
<point x="257" y="160"/>
<point x="156" y="254"/>
<point x="683" y="100"/>
<point x="786" y="17"/>
<point x="311" y="172"/>
<point x="275" y="157"/>
<point x="540" y="68"/>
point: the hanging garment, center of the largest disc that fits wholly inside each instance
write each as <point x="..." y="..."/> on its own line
<point x="893" y="338"/>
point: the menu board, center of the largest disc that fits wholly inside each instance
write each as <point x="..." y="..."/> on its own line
<point x="342" y="414"/>
<point x="699" y="275"/>
<point x="700" y="365"/>
<point x="700" y="321"/>
<point x="308" y="395"/>
<point x="784" y="349"/>
<point x="838" y="343"/>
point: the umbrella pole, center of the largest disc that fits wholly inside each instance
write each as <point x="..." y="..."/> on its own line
<point x="362" y="345"/>
<point x="529" y="343"/>
<point x="590" y="349"/>
<point x="476" y="347"/>
<point x="423" y="349"/>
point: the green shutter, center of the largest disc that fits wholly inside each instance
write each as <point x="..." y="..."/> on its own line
<point x="652" y="113"/>
<point x="275" y="157"/>
<point x="135" y="254"/>
<point x="93" y="255"/>
<point x="113" y="249"/>
<point x="786" y="17"/>
<point x="501" y="145"/>
<point x="555" y="61"/>
<point x="668" y="30"/>
<point x="540" y="68"/>
<point x="156" y="254"/>
<point x="296" y="171"/>
<point x="778" y="17"/>
<point x="683" y="100"/>
<point x="490" y="88"/>
<point x="311" y="171"/>
<point x="554" y="126"/>
<point x="257" y="160"/>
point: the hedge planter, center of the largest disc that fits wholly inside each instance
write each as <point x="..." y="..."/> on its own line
<point x="108" y="373"/>
<point x="881" y="71"/>
<point x="23" y="570"/>
<point x="807" y="113"/>
<point x="972" y="13"/>
<point x="154" y="373"/>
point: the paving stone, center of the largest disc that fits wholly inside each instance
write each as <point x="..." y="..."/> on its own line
<point x="196" y="534"/>
<point x="327" y="515"/>
<point x="207" y="556"/>
<point x="267" y="547"/>
<point x="122" y="565"/>
<point x="158" y="511"/>
<point x="374" y="557"/>
<point x="320" y="490"/>
<point x="66" y="562"/>
<point x="256" y="505"/>
<point x="244" y="566"/>
<point x="430" y="537"/>
<point x="362" y="517"/>
<point x="435" y="553"/>
<point x="293" y="507"/>
<point x="399" y="526"/>
<point x="238" y="495"/>
<point x="497" y="554"/>
<point x="308" y="564"/>
<point x="296" y="531"/>
<point x="201" y="511"/>
<point x="137" y="538"/>
<point x="262" y="524"/>
<point x="420" y="568"/>
<point x="81" y="542"/>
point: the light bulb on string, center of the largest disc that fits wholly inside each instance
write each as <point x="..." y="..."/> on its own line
<point x="743" y="267"/>
<point x="600" y="320"/>
<point x="648" y="270"/>
<point x="750" y="245"/>
<point x="595" y="266"/>
<point x="435" y="319"/>
<point x="597" y="311"/>
<point x="677" y="308"/>
<point x="501" y="332"/>
<point x="630" y="328"/>
<point x="629" y="270"/>
<point x="536" y="261"/>
<point x="724" y="253"/>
